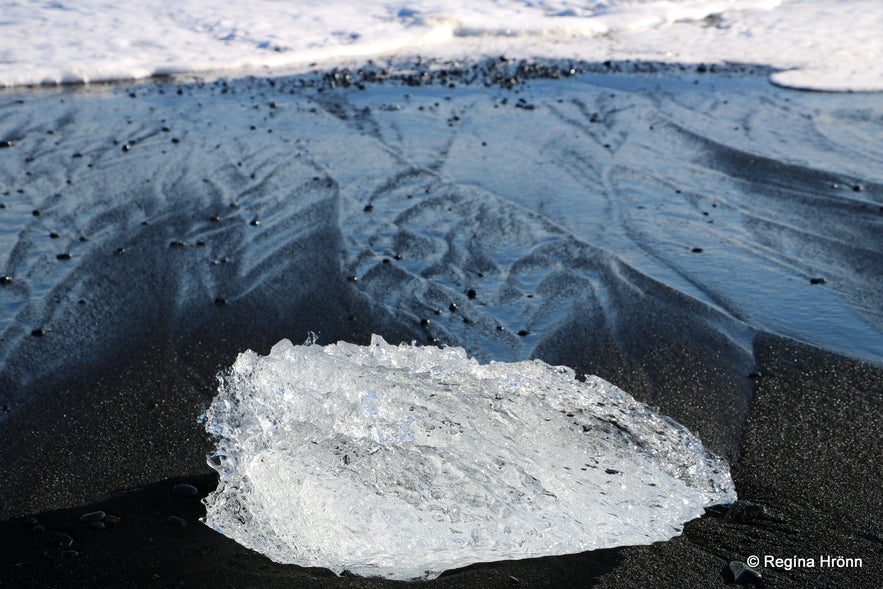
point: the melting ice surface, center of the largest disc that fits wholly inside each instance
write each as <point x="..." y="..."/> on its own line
<point x="405" y="461"/>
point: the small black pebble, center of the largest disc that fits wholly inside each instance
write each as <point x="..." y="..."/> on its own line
<point x="126" y="147"/>
<point x="696" y="250"/>
<point x="92" y="516"/>
<point x="4" y="280"/>
<point x="234" y="205"/>
<point x="611" y="471"/>
<point x="84" y="239"/>
<point x="39" y="332"/>
<point x="368" y="208"/>
<point x="54" y="235"/>
<point x="471" y="293"/>
<point x="743" y="574"/>
<point x="6" y="143"/>
<point x="177" y="244"/>
<point x="60" y="539"/>
<point x="453" y="307"/>
<point x="352" y="278"/>
<point x="184" y="490"/>
<point x="500" y="328"/>
<point x="64" y="257"/>
<point x="78" y="155"/>
<point x="175" y="140"/>
<point x="386" y="261"/>
<point x="858" y="188"/>
<point x="255" y="222"/>
<point x="523" y="332"/>
<point x="36" y="212"/>
<point x="424" y="322"/>
<point x="214" y="218"/>
<point x="817" y="280"/>
<point x="220" y="301"/>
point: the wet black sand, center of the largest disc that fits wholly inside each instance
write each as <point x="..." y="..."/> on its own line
<point x="100" y="412"/>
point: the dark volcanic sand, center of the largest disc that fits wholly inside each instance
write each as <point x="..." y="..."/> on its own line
<point x="813" y="464"/>
<point x="100" y="411"/>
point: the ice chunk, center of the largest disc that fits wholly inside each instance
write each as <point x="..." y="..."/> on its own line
<point x="405" y="461"/>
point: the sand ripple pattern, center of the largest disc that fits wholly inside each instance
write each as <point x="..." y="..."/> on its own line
<point x="619" y="211"/>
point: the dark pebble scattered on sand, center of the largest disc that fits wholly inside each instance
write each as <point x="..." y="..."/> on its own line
<point x="352" y="278"/>
<point x="742" y="573"/>
<point x="696" y="250"/>
<point x="185" y="490"/>
<point x="121" y="250"/>
<point x="6" y="143"/>
<point x="858" y="188"/>
<point x="523" y="332"/>
<point x="127" y="148"/>
<point x="60" y="539"/>
<point x="471" y="293"/>
<point x="92" y="517"/>
<point x="77" y="155"/>
<point x="36" y="212"/>
<point x="220" y="301"/>
<point x="424" y="322"/>
<point x="177" y="244"/>
<point x="4" y="280"/>
<point x="453" y="307"/>
<point x="255" y="222"/>
<point x="214" y="218"/>
<point x="54" y="235"/>
<point x="611" y="471"/>
<point x="817" y="280"/>
<point x="368" y="208"/>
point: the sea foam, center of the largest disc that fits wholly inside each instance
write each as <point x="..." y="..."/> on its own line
<point x="817" y="44"/>
<point x="405" y="461"/>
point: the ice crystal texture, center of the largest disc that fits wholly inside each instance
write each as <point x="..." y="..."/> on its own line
<point x="405" y="461"/>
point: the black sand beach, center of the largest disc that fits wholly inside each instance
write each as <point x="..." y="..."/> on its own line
<point x="203" y="219"/>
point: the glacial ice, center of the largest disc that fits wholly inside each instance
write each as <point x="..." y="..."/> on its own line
<point x="404" y="461"/>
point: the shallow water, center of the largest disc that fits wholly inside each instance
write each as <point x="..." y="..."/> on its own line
<point x="560" y="203"/>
